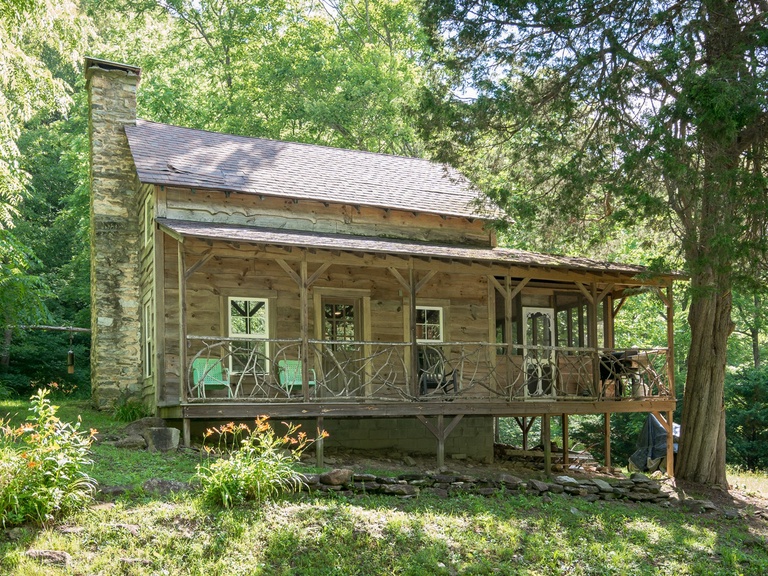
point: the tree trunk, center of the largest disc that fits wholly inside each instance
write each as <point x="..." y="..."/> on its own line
<point x="755" y="331"/>
<point x="702" y="444"/>
<point x="5" y="354"/>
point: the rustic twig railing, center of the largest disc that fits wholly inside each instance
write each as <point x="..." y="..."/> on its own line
<point x="381" y="371"/>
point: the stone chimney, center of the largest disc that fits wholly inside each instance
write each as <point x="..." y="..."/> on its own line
<point x="116" y="370"/>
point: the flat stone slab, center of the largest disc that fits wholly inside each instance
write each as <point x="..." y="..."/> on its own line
<point x="52" y="557"/>
<point x="162" y="439"/>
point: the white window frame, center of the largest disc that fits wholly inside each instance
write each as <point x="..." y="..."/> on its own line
<point x="441" y="324"/>
<point x="265" y="334"/>
<point x="148" y="341"/>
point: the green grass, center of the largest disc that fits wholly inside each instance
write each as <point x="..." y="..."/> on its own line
<point x="368" y="535"/>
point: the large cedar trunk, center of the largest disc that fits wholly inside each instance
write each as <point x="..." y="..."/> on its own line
<point x="702" y="445"/>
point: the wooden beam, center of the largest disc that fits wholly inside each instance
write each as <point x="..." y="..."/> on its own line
<point x="520" y="285"/>
<point x="423" y="282"/>
<point x="496" y="284"/>
<point x="317" y="273"/>
<point x="671" y="340"/>
<point x="399" y="277"/>
<point x="196" y="266"/>
<point x="587" y="293"/>
<point x="619" y="306"/>
<point x="607" y="290"/>
<point x="546" y="440"/>
<point x="441" y="432"/>
<point x="319" y="444"/>
<point x="414" y="346"/>
<point x="607" y="438"/>
<point x="304" y="300"/>
<point x="181" y="263"/>
<point x="288" y="270"/>
<point x="566" y="451"/>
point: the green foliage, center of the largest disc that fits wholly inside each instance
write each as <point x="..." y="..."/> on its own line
<point x="128" y="409"/>
<point x="42" y="466"/>
<point x="746" y="418"/>
<point x="251" y="464"/>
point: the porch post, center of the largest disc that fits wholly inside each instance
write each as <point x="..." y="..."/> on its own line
<point x="414" y="346"/>
<point x="592" y="330"/>
<point x="607" y="438"/>
<point x="546" y="440"/>
<point x="319" y="444"/>
<point x="670" y="445"/>
<point x="181" y="263"/>
<point x="303" y="289"/>
<point x="670" y="341"/>
<point x="508" y="329"/>
<point x="440" y="432"/>
<point x="566" y="452"/>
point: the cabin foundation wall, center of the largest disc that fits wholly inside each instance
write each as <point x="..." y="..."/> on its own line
<point x="472" y="437"/>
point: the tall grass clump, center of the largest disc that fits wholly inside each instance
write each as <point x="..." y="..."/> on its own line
<point x="251" y="464"/>
<point x="43" y="466"/>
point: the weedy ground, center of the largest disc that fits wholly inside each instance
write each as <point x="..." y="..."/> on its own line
<point x="509" y="533"/>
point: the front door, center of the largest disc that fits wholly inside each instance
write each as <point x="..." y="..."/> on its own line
<point x="539" y="351"/>
<point x="342" y="352"/>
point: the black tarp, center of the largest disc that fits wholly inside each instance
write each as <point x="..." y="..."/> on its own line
<point x="652" y="445"/>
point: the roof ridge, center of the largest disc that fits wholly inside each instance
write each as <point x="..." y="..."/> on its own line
<point x="307" y="144"/>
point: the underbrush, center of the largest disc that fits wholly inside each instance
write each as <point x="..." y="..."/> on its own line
<point x="43" y="466"/>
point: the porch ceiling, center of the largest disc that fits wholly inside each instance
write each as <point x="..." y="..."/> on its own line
<point x="349" y="243"/>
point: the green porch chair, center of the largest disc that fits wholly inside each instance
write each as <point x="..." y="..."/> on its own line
<point x="290" y="375"/>
<point x="209" y="374"/>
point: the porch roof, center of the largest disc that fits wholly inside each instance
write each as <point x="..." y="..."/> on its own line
<point x="184" y="157"/>
<point x="349" y="243"/>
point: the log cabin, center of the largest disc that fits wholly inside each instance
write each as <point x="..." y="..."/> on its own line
<point x="358" y="292"/>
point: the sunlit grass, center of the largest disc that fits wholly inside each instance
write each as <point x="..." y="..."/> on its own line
<point x="753" y="483"/>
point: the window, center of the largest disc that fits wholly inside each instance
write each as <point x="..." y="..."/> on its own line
<point x="148" y="327"/>
<point x="429" y="324"/>
<point x="249" y="320"/>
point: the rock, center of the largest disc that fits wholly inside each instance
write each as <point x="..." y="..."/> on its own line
<point x="136" y="561"/>
<point x="639" y="477"/>
<point x="137" y="427"/>
<point x="566" y="481"/>
<point x="641" y="496"/>
<point x="364" y="477"/>
<point x="366" y="486"/>
<point x="556" y="488"/>
<point x="71" y="529"/>
<point x="546" y="499"/>
<point x="53" y="557"/>
<point x="444" y="478"/>
<point x="133" y="529"/>
<point x="161" y="439"/>
<point x="132" y="441"/>
<point x="458" y="456"/>
<point x="732" y="513"/>
<point x="310" y="479"/>
<point x="165" y="487"/>
<point x="16" y="534"/>
<point x="422" y="482"/>
<point x="538" y="485"/>
<point x="337" y="477"/>
<point x="387" y="480"/>
<point x="510" y="481"/>
<point x="440" y="492"/>
<point x="574" y="490"/>
<point x="486" y="491"/>
<point x="329" y="460"/>
<point x="411" y="476"/>
<point x="400" y="489"/>
<point x="114" y="491"/>
<point x="408" y="461"/>
<point x="327" y="488"/>
<point x="603" y="486"/>
<point x="607" y="496"/>
<point x="591" y="498"/>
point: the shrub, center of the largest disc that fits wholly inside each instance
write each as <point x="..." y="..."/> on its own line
<point x="746" y="418"/>
<point x="251" y="464"/>
<point x="130" y="409"/>
<point x="42" y="466"/>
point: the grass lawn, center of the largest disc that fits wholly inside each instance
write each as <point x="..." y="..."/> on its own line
<point x="306" y="534"/>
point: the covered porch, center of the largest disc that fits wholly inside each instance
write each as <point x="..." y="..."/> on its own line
<point x="300" y="325"/>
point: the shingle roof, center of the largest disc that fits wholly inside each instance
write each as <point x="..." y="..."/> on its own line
<point x="345" y="242"/>
<point x="174" y="156"/>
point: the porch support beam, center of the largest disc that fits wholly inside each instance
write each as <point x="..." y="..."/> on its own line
<point x="304" y="290"/>
<point x="592" y="331"/>
<point x="181" y="266"/>
<point x="399" y="277"/>
<point x="607" y="290"/>
<point x="670" y="340"/>
<point x="619" y="306"/>
<point x="414" y="345"/>
<point x="566" y="451"/>
<point x="587" y="293"/>
<point x="319" y="444"/>
<point x="197" y="265"/>
<point x="423" y="282"/>
<point x="441" y="432"/>
<point x="288" y="270"/>
<point x="546" y="440"/>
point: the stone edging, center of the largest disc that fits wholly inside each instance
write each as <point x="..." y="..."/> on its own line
<point x="637" y="488"/>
